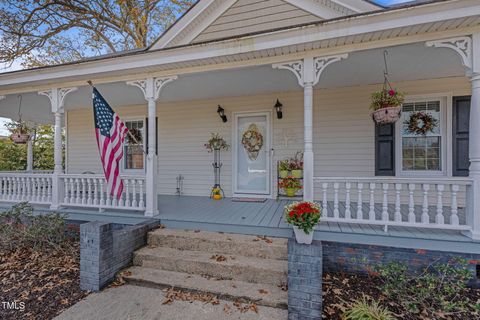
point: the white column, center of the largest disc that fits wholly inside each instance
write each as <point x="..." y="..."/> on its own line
<point x="57" y="99"/>
<point x="308" y="72"/>
<point x="151" y="88"/>
<point x="30" y="155"/>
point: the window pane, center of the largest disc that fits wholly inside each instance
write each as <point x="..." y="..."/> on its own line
<point x="133" y="148"/>
<point x="421" y="152"/>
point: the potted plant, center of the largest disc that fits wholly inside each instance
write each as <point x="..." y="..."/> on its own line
<point x="216" y="142"/>
<point x="386" y="106"/>
<point x="20" y="132"/>
<point x="283" y="168"/>
<point x="217" y="193"/>
<point x="296" y="165"/>
<point x="303" y="216"/>
<point x="291" y="185"/>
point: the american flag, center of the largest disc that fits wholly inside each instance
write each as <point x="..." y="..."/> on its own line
<point x="110" y="132"/>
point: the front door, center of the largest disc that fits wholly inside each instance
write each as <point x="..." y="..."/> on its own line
<point x="252" y="148"/>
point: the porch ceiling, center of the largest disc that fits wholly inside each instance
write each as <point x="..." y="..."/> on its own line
<point x="406" y="62"/>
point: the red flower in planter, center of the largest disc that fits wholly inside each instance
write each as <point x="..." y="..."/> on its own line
<point x="304" y="215"/>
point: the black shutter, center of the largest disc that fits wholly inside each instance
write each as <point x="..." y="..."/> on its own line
<point x="156" y="134"/>
<point x="385" y="150"/>
<point x="461" y="123"/>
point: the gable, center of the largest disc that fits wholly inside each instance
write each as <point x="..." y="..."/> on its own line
<point x="209" y="20"/>
<point x="247" y="16"/>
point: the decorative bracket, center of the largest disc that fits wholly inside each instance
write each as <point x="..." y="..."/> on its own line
<point x="461" y="45"/>
<point x="309" y="70"/>
<point x="57" y="97"/>
<point x="151" y="87"/>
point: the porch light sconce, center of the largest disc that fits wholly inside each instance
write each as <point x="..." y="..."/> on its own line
<point x="278" y="107"/>
<point x="221" y="113"/>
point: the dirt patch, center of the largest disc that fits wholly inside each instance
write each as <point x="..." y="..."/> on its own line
<point x="42" y="283"/>
<point x="341" y="290"/>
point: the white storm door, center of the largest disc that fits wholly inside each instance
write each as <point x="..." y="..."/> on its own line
<point x="252" y="147"/>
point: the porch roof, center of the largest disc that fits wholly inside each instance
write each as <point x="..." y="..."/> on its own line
<point x="405" y="62"/>
<point x="347" y="34"/>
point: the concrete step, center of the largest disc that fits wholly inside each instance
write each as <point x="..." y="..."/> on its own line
<point x="261" y="294"/>
<point x="236" y="267"/>
<point x="220" y="243"/>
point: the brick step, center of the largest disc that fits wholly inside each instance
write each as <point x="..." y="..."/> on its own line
<point x="220" y="243"/>
<point x="261" y="294"/>
<point x="236" y="267"/>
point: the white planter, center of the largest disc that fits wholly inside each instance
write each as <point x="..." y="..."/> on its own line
<point x="302" y="237"/>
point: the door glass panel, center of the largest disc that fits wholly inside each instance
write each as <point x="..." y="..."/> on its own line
<point x="252" y="155"/>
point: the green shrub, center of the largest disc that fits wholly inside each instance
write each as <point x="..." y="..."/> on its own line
<point x="439" y="289"/>
<point x="363" y="310"/>
<point x="20" y="228"/>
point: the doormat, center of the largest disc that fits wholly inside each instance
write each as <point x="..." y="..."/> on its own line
<point x="249" y="199"/>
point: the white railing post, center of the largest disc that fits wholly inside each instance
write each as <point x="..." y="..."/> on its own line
<point x="57" y="99"/>
<point x="151" y="88"/>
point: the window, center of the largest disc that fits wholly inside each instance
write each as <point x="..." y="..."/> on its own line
<point x="133" y="147"/>
<point x="422" y="152"/>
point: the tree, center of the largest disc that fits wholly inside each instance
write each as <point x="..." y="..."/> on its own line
<point x="43" y="32"/>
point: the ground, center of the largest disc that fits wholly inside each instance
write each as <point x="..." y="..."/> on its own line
<point x="133" y="302"/>
<point x="46" y="282"/>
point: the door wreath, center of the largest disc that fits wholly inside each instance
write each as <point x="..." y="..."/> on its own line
<point x="421" y="123"/>
<point x="252" y="141"/>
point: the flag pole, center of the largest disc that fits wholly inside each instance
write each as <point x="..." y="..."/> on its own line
<point x="129" y="133"/>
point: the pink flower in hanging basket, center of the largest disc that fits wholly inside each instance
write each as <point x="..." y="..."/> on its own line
<point x="391" y="92"/>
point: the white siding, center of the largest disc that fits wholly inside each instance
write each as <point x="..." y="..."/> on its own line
<point x="343" y="133"/>
<point x="247" y="16"/>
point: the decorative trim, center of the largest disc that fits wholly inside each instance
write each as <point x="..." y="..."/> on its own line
<point x="461" y="45"/>
<point x="294" y="66"/>
<point x="321" y="63"/>
<point x="57" y="97"/>
<point x="153" y="92"/>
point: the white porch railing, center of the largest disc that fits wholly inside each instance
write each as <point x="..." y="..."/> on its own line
<point x="417" y="202"/>
<point x="31" y="187"/>
<point x="89" y="190"/>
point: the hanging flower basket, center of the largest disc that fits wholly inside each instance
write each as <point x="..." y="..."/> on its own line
<point x="386" y="115"/>
<point x="252" y="141"/>
<point x="20" y="138"/>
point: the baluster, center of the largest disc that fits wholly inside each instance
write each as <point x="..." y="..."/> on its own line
<point x="34" y="189"/>
<point x="134" y="193"/>
<point x="45" y="189"/>
<point x="102" y="194"/>
<point x="425" y="217"/>
<point x="40" y="190"/>
<point x="7" y="183"/>
<point x="27" y="189"/>
<point x="439" y="219"/>
<point x="65" y="188"/>
<point x="84" y="191"/>
<point x="141" y="203"/>
<point x="78" y="199"/>
<point x="95" y="191"/>
<point x="89" y="190"/>
<point x="127" y="192"/>
<point x="348" y="214"/>
<point x="336" y="213"/>
<point x="50" y="189"/>
<point x="454" y="218"/>
<point x="398" y="213"/>
<point x="15" y="188"/>
<point x="20" y="188"/>
<point x="411" y="203"/>
<point x="385" y="202"/>
<point x="371" y="212"/>
<point x="2" y="188"/>
<point x="12" y="188"/>
<point x="359" y="201"/>
<point x="72" y="190"/>
<point x="325" y="201"/>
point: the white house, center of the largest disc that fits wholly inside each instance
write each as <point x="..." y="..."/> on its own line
<point x="322" y="59"/>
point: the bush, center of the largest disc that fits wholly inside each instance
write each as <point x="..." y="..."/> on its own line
<point x="20" y="228"/>
<point x="363" y="310"/>
<point x="439" y="289"/>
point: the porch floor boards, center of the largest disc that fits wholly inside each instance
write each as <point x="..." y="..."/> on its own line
<point x="202" y="213"/>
